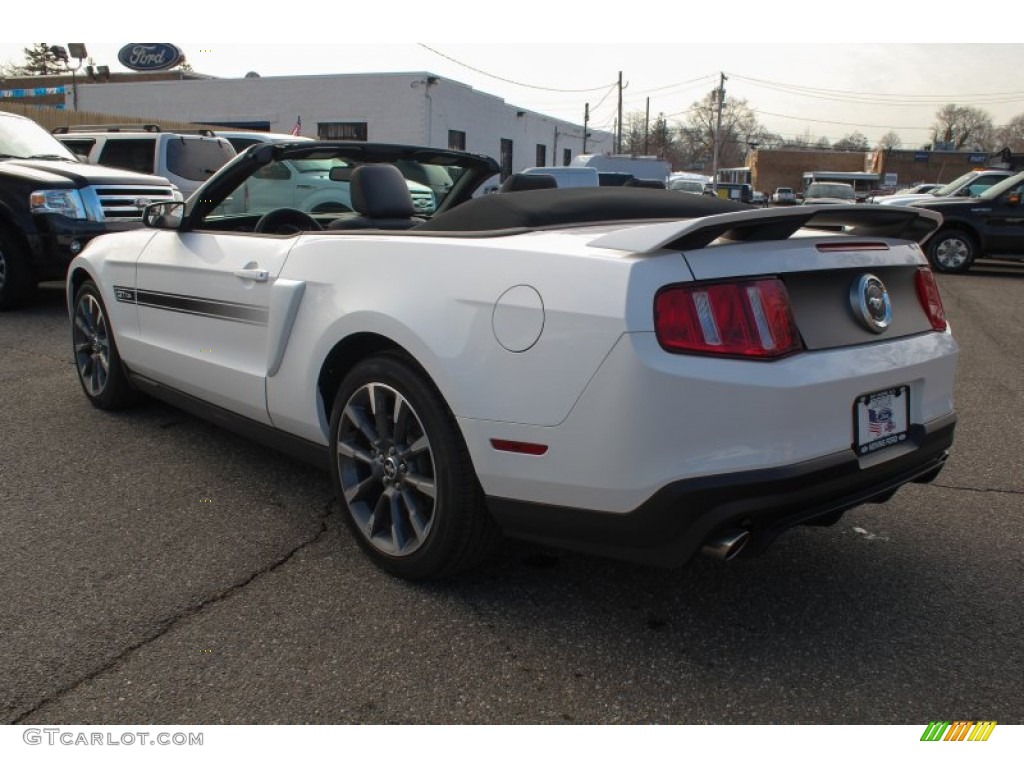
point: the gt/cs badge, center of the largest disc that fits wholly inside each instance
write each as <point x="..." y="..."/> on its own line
<point x="870" y="301"/>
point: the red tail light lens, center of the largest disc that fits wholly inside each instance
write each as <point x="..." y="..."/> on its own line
<point x="928" y="295"/>
<point x="750" y="318"/>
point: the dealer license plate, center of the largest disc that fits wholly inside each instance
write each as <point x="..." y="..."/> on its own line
<point x="881" y="419"/>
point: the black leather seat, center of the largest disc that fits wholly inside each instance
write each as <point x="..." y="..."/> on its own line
<point x="380" y="197"/>
<point x="519" y="182"/>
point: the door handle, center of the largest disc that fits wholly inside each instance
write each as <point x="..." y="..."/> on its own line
<point x="257" y="275"/>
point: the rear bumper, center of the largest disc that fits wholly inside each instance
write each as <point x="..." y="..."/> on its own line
<point x="670" y="527"/>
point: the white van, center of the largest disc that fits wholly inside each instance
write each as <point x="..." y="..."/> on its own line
<point x="567" y="176"/>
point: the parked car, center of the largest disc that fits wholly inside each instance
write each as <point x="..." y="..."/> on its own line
<point x="918" y="189"/>
<point x="784" y="196"/>
<point x="991" y="224"/>
<point x="185" y="159"/>
<point x="829" y="193"/>
<point x="692" y="186"/>
<point x="52" y="204"/>
<point x="971" y="184"/>
<point x="629" y="372"/>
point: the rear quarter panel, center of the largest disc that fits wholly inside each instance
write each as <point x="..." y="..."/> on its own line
<point x="435" y="297"/>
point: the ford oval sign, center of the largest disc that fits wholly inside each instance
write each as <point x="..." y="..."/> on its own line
<point x="150" y="57"/>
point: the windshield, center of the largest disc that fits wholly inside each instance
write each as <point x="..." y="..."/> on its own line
<point x="954" y="185"/>
<point x="842" y="191"/>
<point x="22" y="138"/>
<point x="1002" y="187"/>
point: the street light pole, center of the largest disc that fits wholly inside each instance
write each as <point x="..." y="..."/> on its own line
<point x="77" y="51"/>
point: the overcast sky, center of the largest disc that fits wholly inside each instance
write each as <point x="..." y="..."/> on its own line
<point x="811" y="78"/>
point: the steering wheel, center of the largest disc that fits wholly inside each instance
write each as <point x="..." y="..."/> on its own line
<point x="286" y="221"/>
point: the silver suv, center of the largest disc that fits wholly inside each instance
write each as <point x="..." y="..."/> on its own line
<point x="186" y="159"/>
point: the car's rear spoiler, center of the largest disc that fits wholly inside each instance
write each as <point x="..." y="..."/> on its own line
<point x="774" y="224"/>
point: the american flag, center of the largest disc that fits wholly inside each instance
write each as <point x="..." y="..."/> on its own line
<point x="880" y="421"/>
<point x="297" y="129"/>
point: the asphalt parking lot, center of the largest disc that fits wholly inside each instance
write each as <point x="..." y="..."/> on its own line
<point x="156" y="569"/>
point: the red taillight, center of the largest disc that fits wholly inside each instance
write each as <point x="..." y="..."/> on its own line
<point x="750" y="318"/>
<point x="928" y="295"/>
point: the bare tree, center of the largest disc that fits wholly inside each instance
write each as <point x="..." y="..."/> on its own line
<point x="740" y="129"/>
<point x="890" y="140"/>
<point x="805" y="140"/>
<point x="1011" y="135"/>
<point x="961" y="127"/>
<point x="853" y="142"/>
<point x="823" y="143"/>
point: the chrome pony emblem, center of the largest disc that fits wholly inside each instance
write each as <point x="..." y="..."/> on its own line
<point x="870" y="302"/>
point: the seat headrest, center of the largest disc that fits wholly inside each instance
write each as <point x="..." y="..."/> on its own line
<point x="380" y="191"/>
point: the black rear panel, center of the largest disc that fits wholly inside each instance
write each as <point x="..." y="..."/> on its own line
<point x="825" y="314"/>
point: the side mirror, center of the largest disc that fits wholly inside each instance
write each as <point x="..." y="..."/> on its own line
<point x="163" y="215"/>
<point x="1013" y="198"/>
<point x="341" y="173"/>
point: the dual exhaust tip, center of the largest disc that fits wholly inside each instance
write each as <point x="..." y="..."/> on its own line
<point x="726" y="545"/>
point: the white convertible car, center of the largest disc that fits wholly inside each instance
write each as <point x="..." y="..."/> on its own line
<point x="628" y="372"/>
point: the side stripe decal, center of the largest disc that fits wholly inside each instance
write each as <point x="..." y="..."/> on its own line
<point x="250" y="314"/>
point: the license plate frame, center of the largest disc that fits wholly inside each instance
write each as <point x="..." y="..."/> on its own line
<point x="881" y="419"/>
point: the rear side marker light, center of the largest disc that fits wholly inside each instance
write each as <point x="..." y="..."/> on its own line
<point x="747" y="318"/>
<point x="928" y="295"/>
<point x="515" y="446"/>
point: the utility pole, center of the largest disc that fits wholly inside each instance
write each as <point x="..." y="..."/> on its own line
<point x="586" y="122"/>
<point x="618" y="135"/>
<point x="647" y="123"/>
<point x="718" y="130"/>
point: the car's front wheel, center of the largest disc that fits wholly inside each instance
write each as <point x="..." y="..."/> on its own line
<point x="952" y="250"/>
<point x="403" y="474"/>
<point x="97" y="361"/>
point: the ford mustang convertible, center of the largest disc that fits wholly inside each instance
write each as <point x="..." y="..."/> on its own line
<point x="624" y="371"/>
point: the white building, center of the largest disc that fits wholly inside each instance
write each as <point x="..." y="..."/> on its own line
<point x="405" y="108"/>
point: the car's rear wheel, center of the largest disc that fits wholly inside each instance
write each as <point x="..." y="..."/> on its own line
<point x="97" y="361"/>
<point x="403" y="474"/>
<point x="16" y="280"/>
<point x="952" y="250"/>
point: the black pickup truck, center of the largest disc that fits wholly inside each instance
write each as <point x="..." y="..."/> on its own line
<point x="991" y="224"/>
<point x="52" y="204"/>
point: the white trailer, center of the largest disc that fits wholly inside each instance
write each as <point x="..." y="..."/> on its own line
<point x="641" y="166"/>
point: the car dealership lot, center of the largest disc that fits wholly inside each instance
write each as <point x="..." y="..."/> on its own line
<point x="158" y="569"/>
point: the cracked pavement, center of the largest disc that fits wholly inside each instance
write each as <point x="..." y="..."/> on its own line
<point x="156" y="569"/>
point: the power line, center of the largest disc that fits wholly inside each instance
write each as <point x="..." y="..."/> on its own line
<point x="514" y="82"/>
<point x="838" y="122"/>
<point x="878" y="99"/>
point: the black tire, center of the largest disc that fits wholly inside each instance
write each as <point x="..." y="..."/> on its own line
<point x="402" y="472"/>
<point x="97" y="361"/>
<point x="17" y="282"/>
<point x="952" y="250"/>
